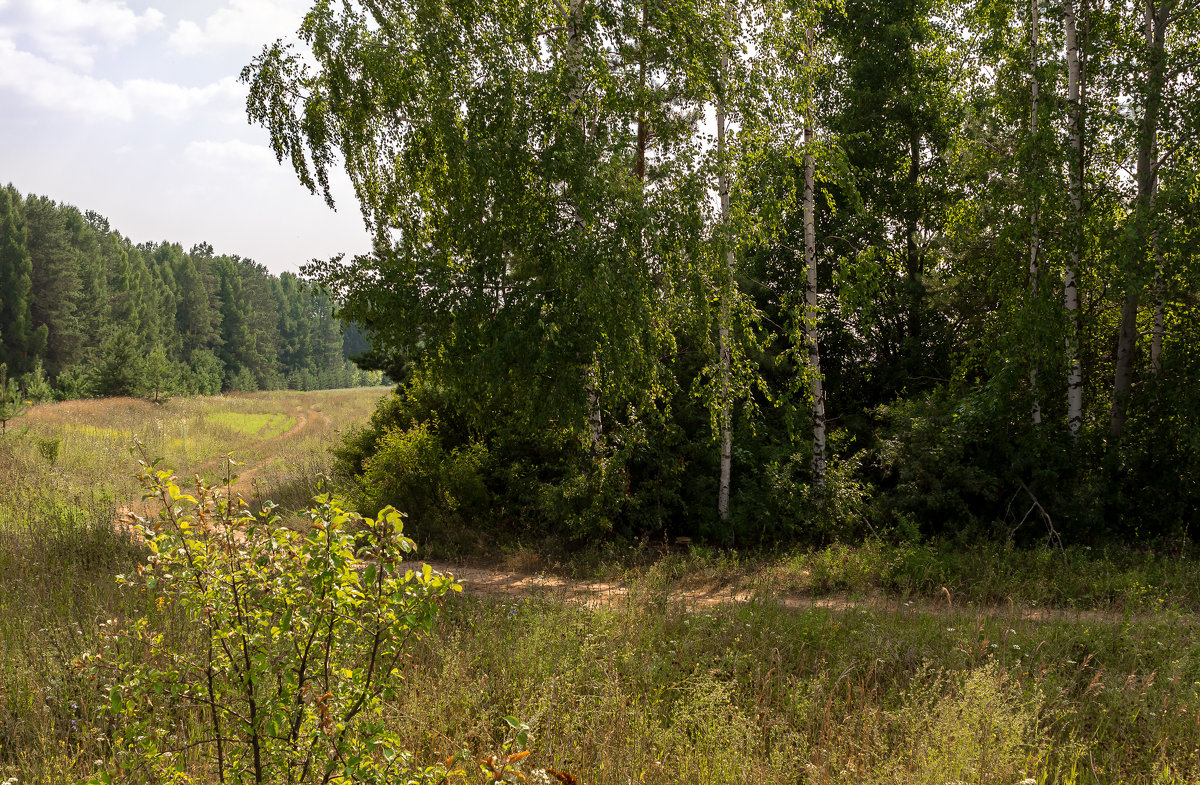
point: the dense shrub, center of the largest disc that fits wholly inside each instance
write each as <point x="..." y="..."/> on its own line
<point x="290" y="645"/>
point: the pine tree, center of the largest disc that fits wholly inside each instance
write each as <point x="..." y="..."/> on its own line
<point x="19" y="340"/>
<point x="56" y="287"/>
<point x="11" y="403"/>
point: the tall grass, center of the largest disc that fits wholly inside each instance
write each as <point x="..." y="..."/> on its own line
<point x="58" y="555"/>
<point x="648" y="691"/>
<point x="65" y="472"/>
<point x="646" y="688"/>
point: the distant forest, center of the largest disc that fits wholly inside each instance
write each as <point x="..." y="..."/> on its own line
<point x="86" y="312"/>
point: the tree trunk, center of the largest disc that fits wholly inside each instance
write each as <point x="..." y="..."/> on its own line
<point x="1075" y="191"/>
<point x="912" y="251"/>
<point x="574" y="56"/>
<point x="810" y="290"/>
<point x="1035" y="196"/>
<point x="723" y="332"/>
<point x="1156" y="338"/>
<point x="1156" y="17"/>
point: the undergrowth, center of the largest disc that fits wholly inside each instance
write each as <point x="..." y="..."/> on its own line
<point x="647" y="689"/>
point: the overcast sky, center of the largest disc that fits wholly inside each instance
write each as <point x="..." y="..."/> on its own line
<point x="132" y="108"/>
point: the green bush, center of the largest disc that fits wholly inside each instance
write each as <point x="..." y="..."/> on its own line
<point x="74" y="381"/>
<point x="203" y="373"/>
<point x="274" y="650"/>
<point x="35" y="384"/>
<point x="419" y="455"/>
<point x="411" y="468"/>
<point x="241" y="380"/>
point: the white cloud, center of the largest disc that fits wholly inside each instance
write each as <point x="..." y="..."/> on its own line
<point x="231" y="154"/>
<point x="176" y="101"/>
<point x="243" y="24"/>
<point x="72" y="31"/>
<point x="53" y="86"/>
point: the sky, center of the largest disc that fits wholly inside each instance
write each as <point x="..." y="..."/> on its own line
<point x="133" y="109"/>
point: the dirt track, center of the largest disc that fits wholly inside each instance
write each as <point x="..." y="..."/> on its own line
<point x="307" y="419"/>
<point x="498" y="582"/>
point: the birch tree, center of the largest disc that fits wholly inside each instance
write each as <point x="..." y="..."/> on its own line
<point x="723" y="323"/>
<point x="491" y="152"/>
<point x="1075" y="171"/>
<point x="1035" y="195"/>
<point x="727" y="21"/>
<point x="811" y="313"/>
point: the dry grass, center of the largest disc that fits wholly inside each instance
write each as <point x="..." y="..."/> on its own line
<point x="65" y="470"/>
<point x="647" y="688"/>
<point x="280" y="436"/>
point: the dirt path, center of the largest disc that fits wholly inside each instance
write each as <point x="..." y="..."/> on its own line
<point x="258" y="455"/>
<point x="254" y="457"/>
<point x="496" y="582"/>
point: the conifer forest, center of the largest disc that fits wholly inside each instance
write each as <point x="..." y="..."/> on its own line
<point x="85" y="312"/>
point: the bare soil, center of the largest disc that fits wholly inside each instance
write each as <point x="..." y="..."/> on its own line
<point x="499" y="582"/>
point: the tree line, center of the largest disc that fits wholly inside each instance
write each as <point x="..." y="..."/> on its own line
<point x="86" y="312"/>
<point x="754" y="269"/>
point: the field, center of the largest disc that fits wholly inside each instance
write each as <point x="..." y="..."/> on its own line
<point x="875" y="663"/>
<point x="85" y="446"/>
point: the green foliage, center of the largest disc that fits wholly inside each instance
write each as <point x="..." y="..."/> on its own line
<point x="411" y="465"/>
<point x="74" y="382"/>
<point x="11" y="403"/>
<point x="241" y="380"/>
<point x="120" y="368"/>
<point x="419" y="454"/>
<point x="203" y="373"/>
<point x="561" y="304"/>
<point x="71" y="283"/>
<point x="19" y="338"/>
<point x="49" y="447"/>
<point x="160" y="375"/>
<point x="294" y="642"/>
<point x="35" y="384"/>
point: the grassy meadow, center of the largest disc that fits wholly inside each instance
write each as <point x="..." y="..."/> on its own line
<point x="868" y="664"/>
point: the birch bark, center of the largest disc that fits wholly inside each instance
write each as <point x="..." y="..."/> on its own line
<point x="810" y="291"/>
<point x="1075" y="113"/>
<point x="1034" y="239"/>
<point x="723" y="332"/>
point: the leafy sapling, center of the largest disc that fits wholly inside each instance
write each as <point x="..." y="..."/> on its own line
<point x="271" y="650"/>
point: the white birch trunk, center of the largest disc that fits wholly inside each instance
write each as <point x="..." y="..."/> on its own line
<point x="723" y="328"/>
<point x="1034" y="239"/>
<point x="723" y="332"/>
<point x="810" y="289"/>
<point x="1075" y="192"/>
<point x="575" y="58"/>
